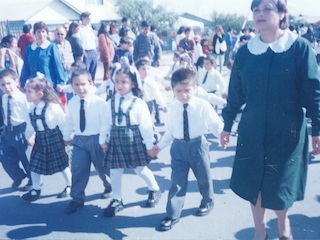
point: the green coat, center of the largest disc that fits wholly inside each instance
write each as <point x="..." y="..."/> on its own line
<point x="277" y="91"/>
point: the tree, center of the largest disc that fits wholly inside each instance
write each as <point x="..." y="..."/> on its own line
<point x="228" y="21"/>
<point x="138" y="10"/>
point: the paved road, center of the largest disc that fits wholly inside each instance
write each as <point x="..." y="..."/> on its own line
<point x="230" y="219"/>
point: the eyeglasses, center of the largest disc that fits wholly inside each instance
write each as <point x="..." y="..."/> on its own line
<point x="60" y="34"/>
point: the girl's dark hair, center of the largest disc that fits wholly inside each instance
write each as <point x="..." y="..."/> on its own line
<point x="199" y="63"/>
<point x="103" y="29"/>
<point x="7" y="41"/>
<point x="282" y="8"/>
<point x="113" y="25"/>
<point x="9" y="73"/>
<point x="81" y="71"/>
<point x="185" y="76"/>
<point x="132" y="75"/>
<point x="181" y="30"/>
<point x="203" y="40"/>
<point x="72" y="26"/>
<point x="40" y="25"/>
<point x="26" y="28"/>
<point x="43" y="85"/>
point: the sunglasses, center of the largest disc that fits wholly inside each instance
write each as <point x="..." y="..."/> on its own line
<point x="60" y="34"/>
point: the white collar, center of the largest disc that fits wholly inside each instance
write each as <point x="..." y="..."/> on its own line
<point x="44" y="45"/>
<point x="257" y="47"/>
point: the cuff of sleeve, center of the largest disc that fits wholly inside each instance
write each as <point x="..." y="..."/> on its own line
<point x="315" y="130"/>
<point x="227" y="127"/>
<point x="149" y="146"/>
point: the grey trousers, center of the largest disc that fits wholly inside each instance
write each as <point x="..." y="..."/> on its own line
<point x="194" y="155"/>
<point x="86" y="150"/>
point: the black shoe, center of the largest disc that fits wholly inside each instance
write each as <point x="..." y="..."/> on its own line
<point x="167" y="223"/>
<point x="27" y="187"/>
<point x="205" y="209"/>
<point x="31" y="196"/>
<point x="65" y="192"/>
<point x="15" y="185"/>
<point x="73" y="207"/>
<point x="114" y="207"/>
<point x="107" y="193"/>
<point x="153" y="198"/>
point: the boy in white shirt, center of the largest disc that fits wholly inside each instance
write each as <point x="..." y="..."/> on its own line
<point x="189" y="119"/>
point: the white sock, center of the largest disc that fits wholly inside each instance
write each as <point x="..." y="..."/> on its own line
<point x="147" y="175"/>
<point x="66" y="173"/>
<point x="35" y="177"/>
<point x="116" y="182"/>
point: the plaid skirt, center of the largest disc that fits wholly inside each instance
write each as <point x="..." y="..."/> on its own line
<point x="48" y="155"/>
<point x="125" y="149"/>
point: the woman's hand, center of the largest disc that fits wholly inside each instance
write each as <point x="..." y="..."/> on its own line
<point x="224" y="139"/>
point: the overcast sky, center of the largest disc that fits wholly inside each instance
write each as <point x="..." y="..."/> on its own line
<point x="204" y="8"/>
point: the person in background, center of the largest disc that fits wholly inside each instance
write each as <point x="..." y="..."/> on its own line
<point x="125" y="30"/>
<point x="229" y="46"/>
<point x="114" y="36"/>
<point x="275" y="77"/>
<point x="25" y="39"/>
<point x="218" y="39"/>
<point x="88" y="40"/>
<point x="123" y="51"/>
<point x="73" y="38"/>
<point x="187" y="44"/>
<point x="197" y="49"/>
<point x="106" y="49"/>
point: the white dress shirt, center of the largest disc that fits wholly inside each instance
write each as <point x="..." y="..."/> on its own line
<point x="87" y="37"/>
<point x="96" y="117"/>
<point x="54" y="116"/>
<point x="214" y="82"/>
<point x="139" y="115"/>
<point x="202" y="118"/>
<point x="19" y="108"/>
<point x="151" y="91"/>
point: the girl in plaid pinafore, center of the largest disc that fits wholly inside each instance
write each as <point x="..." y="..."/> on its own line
<point x="48" y="155"/>
<point x="131" y="138"/>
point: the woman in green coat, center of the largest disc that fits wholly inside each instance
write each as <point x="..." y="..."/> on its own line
<point x="275" y="80"/>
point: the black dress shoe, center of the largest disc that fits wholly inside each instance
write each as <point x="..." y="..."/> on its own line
<point x="31" y="196"/>
<point x="205" y="209"/>
<point x="153" y="198"/>
<point x="167" y="223"/>
<point x="65" y="192"/>
<point x="15" y="185"/>
<point x="73" y="207"/>
<point x="114" y="207"/>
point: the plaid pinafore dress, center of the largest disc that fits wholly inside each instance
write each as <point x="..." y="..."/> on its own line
<point x="48" y="155"/>
<point x="125" y="149"/>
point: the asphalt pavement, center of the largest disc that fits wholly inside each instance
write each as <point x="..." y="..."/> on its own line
<point x="230" y="219"/>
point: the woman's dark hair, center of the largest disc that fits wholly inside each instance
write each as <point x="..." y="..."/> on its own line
<point x="136" y="91"/>
<point x="7" y="41"/>
<point x="181" y="30"/>
<point x="40" y="25"/>
<point x="26" y="28"/>
<point x="282" y="8"/>
<point x="113" y="25"/>
<point x="72" y="26"/>
<point x="103" y="29"/>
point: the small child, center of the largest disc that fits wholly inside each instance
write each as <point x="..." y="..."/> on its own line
<point x="48" y="154"/>
<point x="86" y="117"/>
<point x="131" y="137"/>
<point x="174" y="66"/>
<point x="211" y="80"/>
<point x="149" y="86"/>
<point x="123" y="51"/>
<point x="189" y="119"/>
<point x="13" y="141"/>
<point x="205" y="47"/>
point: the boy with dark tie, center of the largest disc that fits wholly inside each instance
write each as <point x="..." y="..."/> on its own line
<point x="86" y="117"/>
<point x="188" y="120"/>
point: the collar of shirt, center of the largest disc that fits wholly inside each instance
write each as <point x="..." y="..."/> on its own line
<point x="44" y="45"/>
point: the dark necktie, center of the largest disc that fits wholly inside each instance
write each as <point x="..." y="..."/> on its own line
<point x="205" y="77"/>
<point x="120" y="112"/>
<point x="186" y="136"/>
<point x="9" y="124"/>
<point x="82" y="116"/>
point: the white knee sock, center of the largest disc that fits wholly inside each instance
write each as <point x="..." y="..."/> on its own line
<point x="116" y="182"/>
<point x="147" y="175"/>
<point x="36" y="180"/>
<point x="66" y="173"/>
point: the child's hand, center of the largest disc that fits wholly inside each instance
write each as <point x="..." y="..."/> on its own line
<point x="104" y="147"/>
<point x="153" y="152"/>
<point x="165" y="109"/>
<point x="224" y="139"/>
<point x="157" y="149"/>
<point x="66" y="143"/>
<point x="31" y="141"/>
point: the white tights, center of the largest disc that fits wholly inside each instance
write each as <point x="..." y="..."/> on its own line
<point x="142" y="171"/>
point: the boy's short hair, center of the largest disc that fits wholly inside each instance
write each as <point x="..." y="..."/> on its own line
<point x="210" y="59"/>
<point x="185" y="76"/>
<point x="125" y="19"/>
<point x="81" y="71"/>
<point x="142" y="62"/>
<point x="79" y="64"/>
<point x="26" y="28"/>
<point x="9" y="73"/>
<point x="85" y="15"/>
